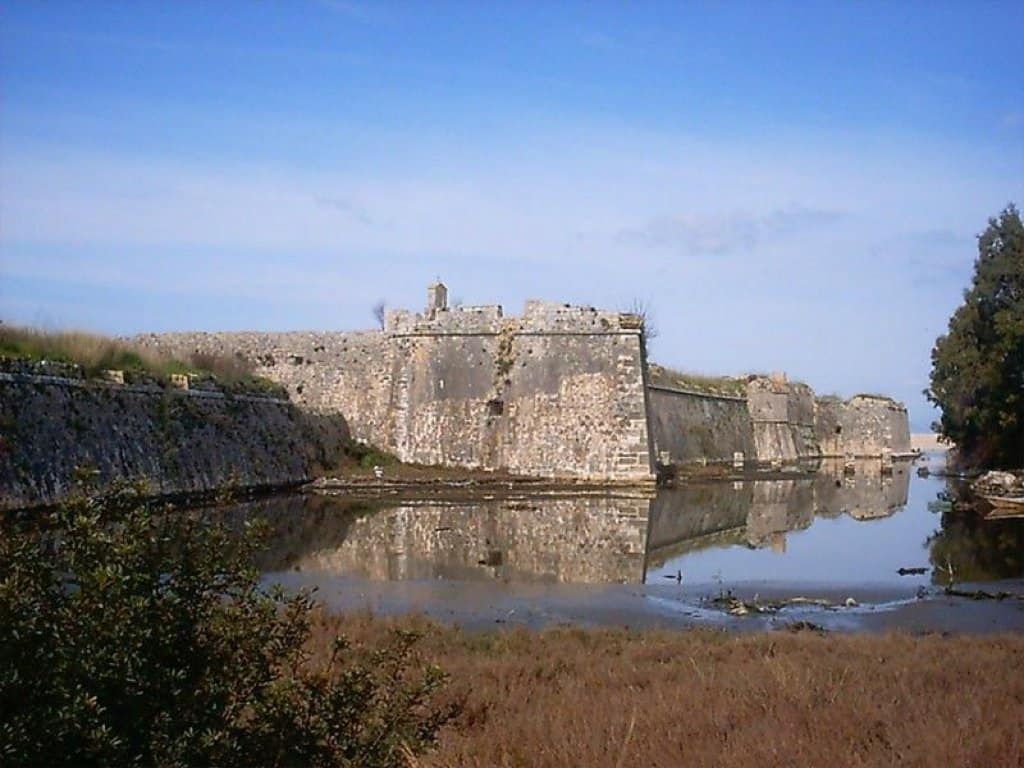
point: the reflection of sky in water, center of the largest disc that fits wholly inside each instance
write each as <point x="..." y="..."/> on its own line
<point x="838" y="550"/>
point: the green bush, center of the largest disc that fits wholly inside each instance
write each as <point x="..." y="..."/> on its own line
<point x="142" y="638"/>
<point x="368" y="456"/>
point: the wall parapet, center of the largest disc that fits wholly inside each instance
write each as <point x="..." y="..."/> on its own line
<point x="538" y="318"/>
<point x="697" y="393"/>
<point x="144" y="389"/>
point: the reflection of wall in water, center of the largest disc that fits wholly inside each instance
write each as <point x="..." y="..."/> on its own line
<point x="579" y="540"/>
<point x="868" y="491"/>
<point x="760" y="513"/>
<point x="298" y="524"/>
<point x="777" y="507"/>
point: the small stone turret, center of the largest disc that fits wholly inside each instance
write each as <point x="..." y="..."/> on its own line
<point x="437" y="299"/>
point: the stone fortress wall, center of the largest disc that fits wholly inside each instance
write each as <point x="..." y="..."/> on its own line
<point x="58" y="429"/>
<point x="559" y="391"/>
<point x="775" y="421"/>
<point x="696" y="427"/>
<point x="556" y="392"/>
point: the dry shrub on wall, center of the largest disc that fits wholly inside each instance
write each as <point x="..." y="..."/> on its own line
<point x="94" y="353"/>
<point x="90" y="351"/>
<point x="228" y="369"/>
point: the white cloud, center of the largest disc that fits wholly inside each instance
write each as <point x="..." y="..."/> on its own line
<point x="718" y="234"/>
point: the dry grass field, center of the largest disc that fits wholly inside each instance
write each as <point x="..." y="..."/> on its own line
<point x="618" y="698"/>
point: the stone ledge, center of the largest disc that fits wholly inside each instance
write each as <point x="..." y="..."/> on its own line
<point x="28" y="378"/>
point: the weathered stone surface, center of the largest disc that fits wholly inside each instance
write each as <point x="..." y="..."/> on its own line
<point x="778" y="422"/>
<point x="557" y="392"/>
<point x="782" y="413"/>
<point x="864" y="425"/>
<point x="176" y="441"/>
<point x="560" y="392"/>
<point x="689" y="426"/>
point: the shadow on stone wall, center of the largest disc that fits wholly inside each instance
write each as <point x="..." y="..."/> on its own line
<point x="55" y="431"/>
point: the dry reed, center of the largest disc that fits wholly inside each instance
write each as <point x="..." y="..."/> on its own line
<point x="658" y="698"/>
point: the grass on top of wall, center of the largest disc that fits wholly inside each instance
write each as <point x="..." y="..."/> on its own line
<point x="719" y="385"/>
<point x="93" y="354"/>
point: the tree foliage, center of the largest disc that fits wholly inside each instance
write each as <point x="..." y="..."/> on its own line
<point x="129" y="637"/>
<point x="977" y="377"/>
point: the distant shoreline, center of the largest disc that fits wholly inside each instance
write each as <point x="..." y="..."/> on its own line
<point x="927" y="441"/>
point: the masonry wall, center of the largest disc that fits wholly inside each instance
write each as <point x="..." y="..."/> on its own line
<point x="782" y="416"/>
<point x="557" y="392"/>
<point x="348" y="374"/>
<point x="177" y="442"/>
<point x="690" y="426"/>
<point x="864" y="425"/>
<point x="773" y="422"/>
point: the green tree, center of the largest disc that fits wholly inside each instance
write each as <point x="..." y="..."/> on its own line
<point x="977" y="377"/>
<point x="137" y="637"/>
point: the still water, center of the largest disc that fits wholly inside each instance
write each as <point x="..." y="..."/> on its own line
<point x="828" y="530"/>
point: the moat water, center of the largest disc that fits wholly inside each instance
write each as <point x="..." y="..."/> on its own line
<point x="877" y="546"/>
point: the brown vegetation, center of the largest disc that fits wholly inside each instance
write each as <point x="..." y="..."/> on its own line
<point x="93" y="354"/>
<point x="618" y="698"/>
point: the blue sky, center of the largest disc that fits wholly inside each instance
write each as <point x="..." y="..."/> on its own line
<point x="790" y="186"/>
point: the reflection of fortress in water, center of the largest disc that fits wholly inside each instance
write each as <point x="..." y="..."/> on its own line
<point x="577" y="539"/>
<point x="535" y="539"/>
<point x="760" y="514"/>
<point x="563" y="539"/>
